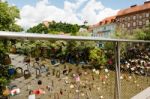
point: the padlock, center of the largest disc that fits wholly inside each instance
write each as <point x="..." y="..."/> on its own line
<point x="7" y="59"/>
<point x="53" y="72"/>
<point x="13" y="49"/>
<point x="56" y="96"/>
<point x="37" y="59"/>
<point x="27" y="59"/>
<point x="65" y="67"/>
<point x="38" y="73"/>
<point x="36" y="64"/>
<point x="39" y="82"/>
<point x="52" y="83"/>
<point x="27" y="74"/>
<point x="58" y="74"/>
<point x="11" y="71"/>
<point x="19" y="72"/>
<point x="43" y="68"/>
<point x="65" y="72"/>
<point x="6" y="92"/>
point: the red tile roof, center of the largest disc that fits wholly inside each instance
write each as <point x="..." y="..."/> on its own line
<point x="107" y="20"/>
<point x="132" y="9"/>
<point x="135" y="8"/>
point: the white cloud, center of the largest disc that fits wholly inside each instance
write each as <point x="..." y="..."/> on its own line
<point x="2" y="0"/>
<point x="73" y="12"/>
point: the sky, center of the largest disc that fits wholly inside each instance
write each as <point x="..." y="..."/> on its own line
<point x="33" y="12"/>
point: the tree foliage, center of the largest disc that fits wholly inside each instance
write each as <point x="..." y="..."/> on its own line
<point x="55" y="28"/>
<point x="40" y="28"/>
<point x="97" y="56"/>
<point x="8" y="16"/>
<point x="142" y="34"/>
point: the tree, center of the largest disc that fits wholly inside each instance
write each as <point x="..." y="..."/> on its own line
<point x="8" y="16"/>
<point x="55" y="28"/>
<point x="74" y="29"/>
<point x="97" y="57"/>
<point x="40" y="28"/>
<point x="142" y="34"/>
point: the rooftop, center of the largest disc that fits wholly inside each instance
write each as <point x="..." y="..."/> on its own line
<point x="134" y="8"/>
<point x="105" y="21"/>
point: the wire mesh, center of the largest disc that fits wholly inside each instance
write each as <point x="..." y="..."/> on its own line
<point x="135" y="70"/>
<point x="76" y="78"/>
<point x="59" y="80"/>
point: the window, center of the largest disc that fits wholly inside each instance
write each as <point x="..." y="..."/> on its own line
<point x="122" y="25"/>
<point x="134" y="23"/>
<point x="104" y="28"/>
<point x="129" y="24"/>
<point x="140" y="17"/>
<point x="140" y="22"/>
<point x="134" y="17"/>
<point x="118" y="20"/>
<point x="147" y="22"/>
<point x="123" y="19"/>
<point x="144" y="22"/>
<point x="128" y="18"/>
<point x="147" y="14"/>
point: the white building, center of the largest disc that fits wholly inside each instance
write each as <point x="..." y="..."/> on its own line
<point x="104" y="28"/>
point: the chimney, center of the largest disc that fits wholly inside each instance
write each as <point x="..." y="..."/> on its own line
<point x="100" y="23"/>
<point x="148" y="1"/>
<point x="133" y="6"/>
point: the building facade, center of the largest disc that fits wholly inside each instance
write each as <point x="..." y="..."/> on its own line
<point x="104" y="28"/>
<point x="129" y="19"/>
<point x="135" y="17"/>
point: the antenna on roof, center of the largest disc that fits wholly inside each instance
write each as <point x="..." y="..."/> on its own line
<point x="85" y="22"/>
<point x="133" y="5"/>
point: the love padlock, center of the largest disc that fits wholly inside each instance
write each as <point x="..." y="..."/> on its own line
<point x="19" y="72"/>
<point x="7" y="59"/>
<point x="38" y="73"/>
<point x="27" y="74"/>
<point x="53" y="72"/>
<point x="58" y="74"/>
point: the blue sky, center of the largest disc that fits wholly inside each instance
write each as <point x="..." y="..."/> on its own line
<point x="115" y="4"/>
<point x="33" y="12"/>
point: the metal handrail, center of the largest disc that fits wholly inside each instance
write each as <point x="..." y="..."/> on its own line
<point x="35" y="36"/>
<point x="22" y="35"/>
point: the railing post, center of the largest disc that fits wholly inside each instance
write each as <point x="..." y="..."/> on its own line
<point x="117" y="67"/>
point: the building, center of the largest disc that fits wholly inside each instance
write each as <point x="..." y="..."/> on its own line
<point x="46" y="23"/>
<point x="83" y="30"/>
<point x="104" y="28"/>
<point x="130" y="19"/>
<point x="135" y="17"/>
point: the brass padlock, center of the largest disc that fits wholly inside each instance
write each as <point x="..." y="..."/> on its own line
<point x="7" y="59"/>
<point x="13" y="49"/>
<point x="58" y="74"/>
